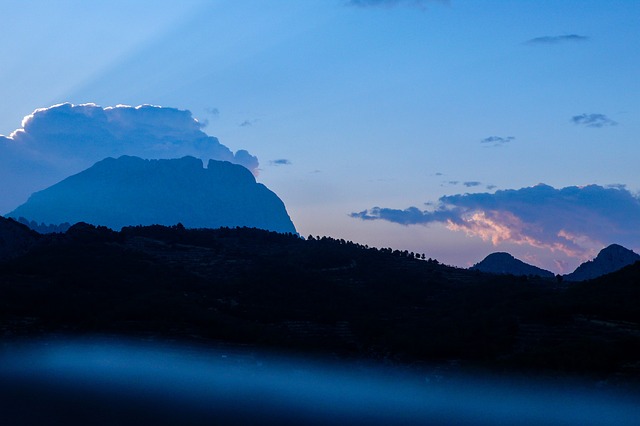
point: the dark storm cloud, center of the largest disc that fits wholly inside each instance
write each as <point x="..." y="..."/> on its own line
<point x="497" y="140"/>
<point x="593" y="120"/>
<point x="567" y="38"/>
<point x="574" y="220"/>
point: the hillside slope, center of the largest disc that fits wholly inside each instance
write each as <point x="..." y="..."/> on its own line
<point x="504" y="263"/>
<point x="610" y="259"/>
<point x="324" y="296"/>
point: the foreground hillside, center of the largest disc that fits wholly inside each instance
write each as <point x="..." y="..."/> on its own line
<point x="316" y="295"/>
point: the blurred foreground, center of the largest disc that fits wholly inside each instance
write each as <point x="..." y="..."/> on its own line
<point x="105" y="382"/>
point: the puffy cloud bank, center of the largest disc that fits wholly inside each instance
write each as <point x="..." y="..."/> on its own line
<point x="577" y="221"/>
<point x="55" y="142"/>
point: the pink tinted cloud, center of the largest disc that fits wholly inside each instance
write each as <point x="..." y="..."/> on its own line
<point x="576" y="221"/>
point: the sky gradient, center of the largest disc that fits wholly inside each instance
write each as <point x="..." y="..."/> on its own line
<point x="419" y="125"/>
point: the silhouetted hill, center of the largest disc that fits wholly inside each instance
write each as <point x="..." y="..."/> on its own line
<point x="504" y="263"/>
<point x="320" y="295"/>
<point x="610" y="259"/>
<point x="15" y="238"/>
<point x="612" y="298"/>
<point x="132" y="191"/>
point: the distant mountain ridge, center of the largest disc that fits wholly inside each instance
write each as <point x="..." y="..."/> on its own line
<point x="610" y="259"/>
<point x="132" y="191"/>
<point x="504" y="263"/>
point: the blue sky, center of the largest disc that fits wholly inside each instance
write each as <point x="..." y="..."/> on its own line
<point x="351" y="105"/>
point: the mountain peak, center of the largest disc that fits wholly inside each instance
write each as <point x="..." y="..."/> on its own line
<point x="614" y="249"/>
<point x="124" y="191"/>
<point x="504" y="263"/>
<point x="610" y="259"/>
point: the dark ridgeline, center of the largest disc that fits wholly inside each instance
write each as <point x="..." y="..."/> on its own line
<point x="43" y="228"/>
<point x="315" y="295"/>
<point x="610" y="259"/>
<point x="15" y="238"/>
<point x="504" y="263"/>
<point x="132" y="191"/>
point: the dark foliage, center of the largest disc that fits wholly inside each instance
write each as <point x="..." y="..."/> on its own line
<point x="320" y="295"/>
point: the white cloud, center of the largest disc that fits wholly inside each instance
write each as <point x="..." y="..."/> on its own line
<point x="64" y="139"/>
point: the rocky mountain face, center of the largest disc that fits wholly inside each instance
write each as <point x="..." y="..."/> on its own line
<point x="132" y="191"/>
<point x="610" y="259"/>
<point x="504" y="263"/>
<point x="15" y="238"/>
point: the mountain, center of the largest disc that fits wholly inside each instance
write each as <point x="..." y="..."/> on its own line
<point x="504" y="263"/>
<point x="132" y="191"/>
<point x="15" y="238"/>
<point x="610" y="259"/>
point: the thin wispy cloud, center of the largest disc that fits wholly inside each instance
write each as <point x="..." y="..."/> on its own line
<point x="576" y="221"/>
<point x="280" y="162"/>
<point x="247" y="123"/>
<point x="566" y="38"/>
<point x="497" y="140"/>
<point x="617" y="186"/>
<point x="471" y="184"/>
<point x="593" y="120"/>
<point x="214" y="112"/>
<point x="421" y="4"/>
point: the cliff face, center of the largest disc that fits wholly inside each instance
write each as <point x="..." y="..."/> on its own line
<point x="132" y="191"/>
<point x="610" y="259"/>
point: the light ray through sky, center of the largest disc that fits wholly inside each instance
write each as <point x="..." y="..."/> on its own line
<point x="351" y="107"/>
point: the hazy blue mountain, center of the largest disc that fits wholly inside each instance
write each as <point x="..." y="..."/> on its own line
<point x="610" y="259"/>
<point x="15" y="238"/>
<point x="504" y="263"/>
<point x="132" y="191"/>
